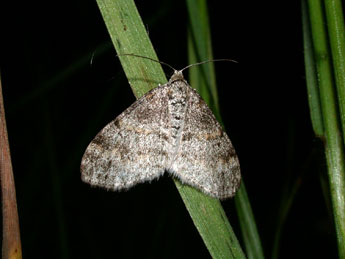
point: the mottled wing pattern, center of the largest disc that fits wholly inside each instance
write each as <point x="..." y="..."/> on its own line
<point x="133" y="148"/>
<point x="206" y="158"/>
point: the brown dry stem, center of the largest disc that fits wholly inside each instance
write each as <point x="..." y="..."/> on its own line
<point x="11" y="245"/>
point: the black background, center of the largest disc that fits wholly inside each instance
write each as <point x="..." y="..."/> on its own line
<point x="56" y="101"/>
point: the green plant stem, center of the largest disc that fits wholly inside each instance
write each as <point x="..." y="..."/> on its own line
<point x="336" y="33"/>
<point x="332" y="138"/>
<point x="249" y="230"/>
<point x="211" y="221"/>
<point x="311" y="75"/>
<point x="129" y="35"/>
<point x="200" y="37"/>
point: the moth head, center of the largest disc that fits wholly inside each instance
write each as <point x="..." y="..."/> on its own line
<point x="176" y="76"/>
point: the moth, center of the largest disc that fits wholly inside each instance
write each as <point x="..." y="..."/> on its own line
<point x="170" y="130"/>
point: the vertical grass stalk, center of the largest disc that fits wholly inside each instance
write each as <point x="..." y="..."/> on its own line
<point x="336" y="34"/>
<point x="333" y="141"/>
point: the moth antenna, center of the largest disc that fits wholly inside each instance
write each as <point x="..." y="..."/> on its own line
<point x="207" y="61"/>
<point x="139" y="56"/>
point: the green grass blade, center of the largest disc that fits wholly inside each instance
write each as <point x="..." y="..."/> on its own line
<point x="333" y="138"/>
<point x="200" y="36"/>
<point x="249" y="230"/>
<point x="211" y="222"/>
<point x="311" y="75"/>
<point x="336" y="31"/>
<point x="129" y="36"/>
<point x="199" y="48"/>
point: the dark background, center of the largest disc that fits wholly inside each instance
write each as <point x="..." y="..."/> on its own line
<point x="56" y="101"/>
